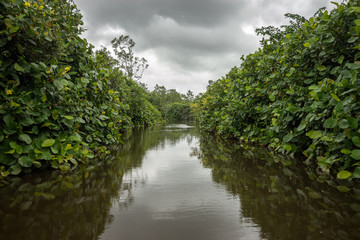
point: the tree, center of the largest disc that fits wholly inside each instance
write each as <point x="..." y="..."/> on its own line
<point x="132" y="66"/>
<point x="190" y="96"/>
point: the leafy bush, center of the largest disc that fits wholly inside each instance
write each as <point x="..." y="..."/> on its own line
<point x="173" y="106"/>
<point x="298" y="93"/>
<point x="179" y="112"/>
<point x="58" y="106"/>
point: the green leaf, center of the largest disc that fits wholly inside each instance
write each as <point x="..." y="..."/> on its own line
<point x="313" y="134"/>
<point x="272" y="97"/>
<point x="341" y="59"/>
<point x="287" y="147"/>
<point x="9" y="120"/>
<point x="69" y="117"/>
<point x="14" y="104"/>
<point x="335" y="97"/>
<point x="357" y="22"/>
<point x="48" y="143"/>
<point x="343" y="174"/>
<point x="353" y="39"/>
<point x="55" y="114"/>
<point x="288" y="137"/>
<point x="330" y="123"/>
<point x="292" y="109"/>
<point x="356" y="141"/>
<point x="64" y="167"/>
<point x="14" y="29"/>
<point x="12" y="151"/>
<point x="314" y="195"/>
<point x="345" y="151"/>
<point x="321" y="68"/>
<point x="343" y="123"/>
<point x="301" y="127"/>
<point x="340" y="137"/>
<point x="355" y="207"/>
<point x="18" y="68"/>
<point x="354" y="123"/>
<point x="356" y="9"/>
<point x="339" y="107"/>
<point x="26" y="121"/>
<point x="343" y="188"/>
<point x="306" y="44"/>
<point x="48" y="196"/>
<point x="26" y="161"/>
<point x="46" y="155"/>
<point x="48" y="38"/>
<point x="356" y="172"/>
<point x="26" y="138"/>
<point x="15" y="169"/>
<point x="355" y="154"/>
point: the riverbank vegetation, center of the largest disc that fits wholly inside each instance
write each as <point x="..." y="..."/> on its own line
<point x="299" y="93"/>
<point x="61" y="102"/>
<point x="173" y="105"/>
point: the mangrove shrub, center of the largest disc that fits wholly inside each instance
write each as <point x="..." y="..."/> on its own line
<point x="299" y="93"/>
<point x="60" y="102"/>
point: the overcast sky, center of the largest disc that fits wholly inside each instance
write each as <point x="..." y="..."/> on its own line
<point x="188" y="42"/>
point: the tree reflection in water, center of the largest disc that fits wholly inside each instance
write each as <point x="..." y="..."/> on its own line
<point x="276" y="193"/>
<point x="75" y="204"/>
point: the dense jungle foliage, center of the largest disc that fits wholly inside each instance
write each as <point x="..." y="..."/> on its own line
<point x="173" y="105"/>
<point x="60" y="102"/>
<point x="298" y="93"/>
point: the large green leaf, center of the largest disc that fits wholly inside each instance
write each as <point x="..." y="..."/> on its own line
<point x="26" y="161"/>
<point x="354" y="123"/>
<point x="288" y="137"/>
<point x="9" y="120"/>
<point x="330" y="123"/>
<point x="48" y="143"/>
<point x="340" y="137"/>
<point x="355" y="154"/>
<point x="356" y="140"/>
<point x="18" y="68"/>
<point x="343" y="123"/>
<point x="343" y="174"/>
<point x="26" y="121"/>
<point x="15" y="169"/>
<point x="313" y="134"/>
<point x="26" y="138"/>
<point x="343" y="188"/>
<point x="356" y="172"/>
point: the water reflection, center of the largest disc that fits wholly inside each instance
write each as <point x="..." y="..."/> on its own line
<point x="155" y="187"/>
<point x="73" y="205"/>
<point x="175" y="197"/>
<point x="276" y="194"/>
<point x="76" y="205"/>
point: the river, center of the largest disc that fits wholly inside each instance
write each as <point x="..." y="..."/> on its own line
<point x="174" y="182"/>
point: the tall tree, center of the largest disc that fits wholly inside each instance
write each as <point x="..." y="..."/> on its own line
<point x="132" y="66"/>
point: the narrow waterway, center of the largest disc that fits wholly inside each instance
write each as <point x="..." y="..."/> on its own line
<point x="172" y="196"/>
<point x="175" y="183"/>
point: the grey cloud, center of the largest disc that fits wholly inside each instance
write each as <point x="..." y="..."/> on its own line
<point x="135" y="13"/>
<point x="192" y="39"/>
